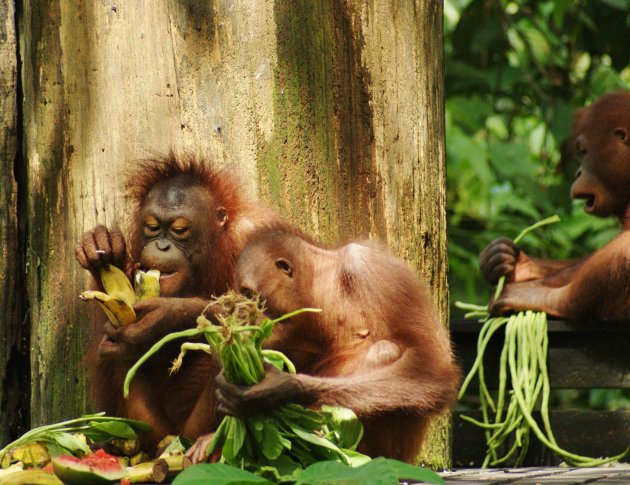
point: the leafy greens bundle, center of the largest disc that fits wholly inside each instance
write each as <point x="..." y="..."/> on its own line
<point x="286" y="439"/>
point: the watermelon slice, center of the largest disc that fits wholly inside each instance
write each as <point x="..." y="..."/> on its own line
<point x="99" y="468"/>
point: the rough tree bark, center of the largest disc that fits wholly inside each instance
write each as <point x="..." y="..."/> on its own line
<point x="13" y="345"/>
<point x="332" y="110"/>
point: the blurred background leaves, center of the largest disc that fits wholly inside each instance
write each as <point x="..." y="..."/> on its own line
<point x="515" y="71"/>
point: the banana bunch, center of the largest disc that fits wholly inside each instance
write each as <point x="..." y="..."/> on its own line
<point x="120" y="295"/>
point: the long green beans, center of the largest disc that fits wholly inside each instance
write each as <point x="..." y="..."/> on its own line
<point x="509" y="415"/>
<point x="524" y="360"/>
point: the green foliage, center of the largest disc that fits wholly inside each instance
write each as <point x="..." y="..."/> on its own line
<point x="515" y="71"/>
<point x="380" y="471"/>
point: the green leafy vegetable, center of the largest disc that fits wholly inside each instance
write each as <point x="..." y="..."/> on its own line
<point x="380" y="471"/>
<point x="218" y="474"/>
<point x="299" y="434"/>
<point x="103" y="431"/>
<point x="350" y="428"/>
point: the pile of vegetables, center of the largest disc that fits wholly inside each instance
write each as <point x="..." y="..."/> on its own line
<point x="289" y="444"/>
<point x="62" y="452"/>
<point x="524" y="359"/>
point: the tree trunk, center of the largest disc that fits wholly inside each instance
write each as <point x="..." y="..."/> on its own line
<point x="13" y="348"/>
<point x="332" y="110"/>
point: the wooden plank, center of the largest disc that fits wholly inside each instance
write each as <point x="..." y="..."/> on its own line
<point x="462" y="325"/>
<point x="619" y="474"/>
<point x="589" y="433"/>
<point x="581" y="355"/>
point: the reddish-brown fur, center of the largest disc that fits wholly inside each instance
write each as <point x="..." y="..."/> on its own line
<point x="596" y="286"/>
<point x="182" y="403"/>
<point x="377" y="346"/>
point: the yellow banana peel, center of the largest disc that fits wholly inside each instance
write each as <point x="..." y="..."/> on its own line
<point x="117" y="284"/>
<point x="118" y="311"/>
<point x="33" y="454"/>
<point x="120" y="295"/>
<point x="29" y="477"/>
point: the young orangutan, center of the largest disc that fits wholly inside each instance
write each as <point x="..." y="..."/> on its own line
<point x="377" y="346"/>
<point x="596" y="286"/>
<point x="190" y="222"/>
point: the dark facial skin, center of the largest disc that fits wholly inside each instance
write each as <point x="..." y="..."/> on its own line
<point x="598" y="181"/>
<point x="175" y="232"/>
<point x="172" y="218"/>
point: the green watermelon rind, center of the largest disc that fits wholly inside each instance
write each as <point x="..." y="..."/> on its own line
<point x="72" y="472"/>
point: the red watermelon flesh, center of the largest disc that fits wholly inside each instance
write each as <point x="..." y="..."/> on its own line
<point x="99" y="468"/>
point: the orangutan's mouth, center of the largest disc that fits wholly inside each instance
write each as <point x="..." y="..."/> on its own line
<point x="165" y="275"/>
<point x="589" y="203"/>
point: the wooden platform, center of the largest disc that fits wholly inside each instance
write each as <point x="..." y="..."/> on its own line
<point x="617" y="475"/>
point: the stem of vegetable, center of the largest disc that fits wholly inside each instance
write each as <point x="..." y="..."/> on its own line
<point x="549" y="220"/>
<point x="193" y="332"/>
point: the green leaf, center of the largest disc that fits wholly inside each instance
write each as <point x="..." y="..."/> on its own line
<point x="334" y="472"/>
<point x="256" y="426"/>
<point x="71" y="443"/>
<point x="618" y="4"/>
<point x="318" y="441"/>
<point x="236" y="432"/>
<point x="470" y="112"/>
<point x="220" y="436"/>
<point x="217" y="474"/>
<point x="355" y="459"/>
<point x="267" y="329"/>
<point x="286" y="466"/>
<point x="380" y="471"/>
<point x="405" y="471"/>
<point x="512" y="159"/>
<point x="306" y="418"/>
<point x="346" y="423"/>
<point x="272" y="444"/>
<point x="110" y="429"/>
<point x="55" y="450"/>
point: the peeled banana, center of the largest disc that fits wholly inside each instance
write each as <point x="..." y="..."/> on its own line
<point x="146" y="284"/>
<point x="119" y="295"/>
